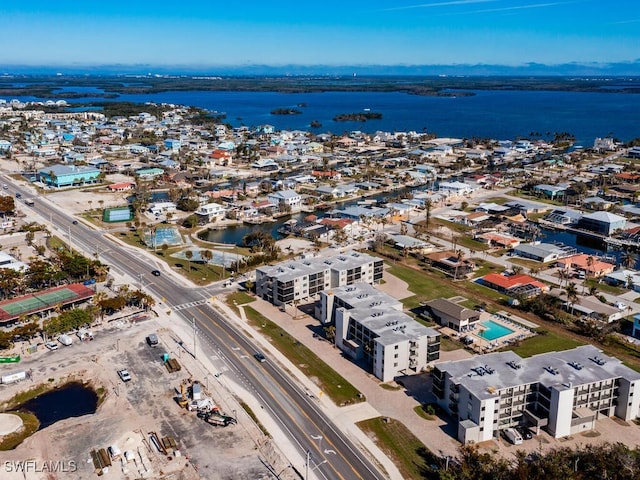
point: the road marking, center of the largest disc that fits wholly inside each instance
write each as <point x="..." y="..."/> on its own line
<point x="329" y="451"/>
<point x="184" y="306"/>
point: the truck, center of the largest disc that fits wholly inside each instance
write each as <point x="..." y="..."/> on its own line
<point x="84" y="334"/>
<point x="65" y="339"/>
<point x="513" y="436"/>
<point x="152" y="339"/>
<point x="13" y="377"/>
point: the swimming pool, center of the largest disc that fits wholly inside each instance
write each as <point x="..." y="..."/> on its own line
<point x="494" y="330"/>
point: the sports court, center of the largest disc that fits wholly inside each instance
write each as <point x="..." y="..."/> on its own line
<point x="166" y="235"/>
<point x="42" y="301"/>
<point x="227" y="259"/>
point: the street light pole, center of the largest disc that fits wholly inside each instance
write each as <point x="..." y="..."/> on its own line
<point x="306" y="473"/>
<point x="194" y="336"/>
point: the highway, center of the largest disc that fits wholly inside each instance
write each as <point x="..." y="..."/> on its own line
<point x="331" y="455"/>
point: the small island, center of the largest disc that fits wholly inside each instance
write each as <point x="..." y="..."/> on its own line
<point x="285" y="111"/>
<point x="357" y="117"/>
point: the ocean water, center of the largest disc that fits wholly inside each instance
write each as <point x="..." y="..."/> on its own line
<point x="503" y="114"/>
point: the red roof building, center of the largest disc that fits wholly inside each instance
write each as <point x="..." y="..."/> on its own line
<point x="514" y="285"/>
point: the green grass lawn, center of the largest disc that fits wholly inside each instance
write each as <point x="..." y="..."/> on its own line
<point x="472" y="244"/>
<point x="405" y="450"/>
<point x="549" y="342"/>
<point x="605" y="287"/>
<point x="485" y="267"/>
<point x="529" y="263"/>
<point x="330" y="382"/>
<point x="425" y="286"/>
<point x="239" y="298"/>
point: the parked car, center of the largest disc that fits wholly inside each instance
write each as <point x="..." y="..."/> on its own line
<point x="524" y="432"/>
<point x="51" y="345"/>
<point x="260" y="357"/>
<point x="512" y="435"/>
<point x="124" y="375"/>
<point x="620" y="305"/>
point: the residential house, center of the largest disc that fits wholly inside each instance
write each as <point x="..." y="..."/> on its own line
<point x="453" y="315"/>
<point x="514" y="285"/>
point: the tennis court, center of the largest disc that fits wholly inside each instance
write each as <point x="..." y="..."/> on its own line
<point x="36" y="301"/>
<point x="13" y="308"/>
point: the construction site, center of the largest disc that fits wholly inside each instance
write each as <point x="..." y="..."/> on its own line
<point x="168" y="418"/>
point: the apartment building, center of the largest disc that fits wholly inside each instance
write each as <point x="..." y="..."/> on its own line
<point x="562" y="392"/>
<point x="389" y="341"/>
<point x="357" y="295"/>
<point x="301" y="280"/>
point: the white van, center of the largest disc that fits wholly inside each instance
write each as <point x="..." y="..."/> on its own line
<point x="65" y="340"/>
<point x="513" y="436"/>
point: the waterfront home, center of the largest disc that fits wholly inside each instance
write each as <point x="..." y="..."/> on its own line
<point x="543" y="252"/>
<point x="635" y="333"/>
<point x="563" y="217"/>
<point x="604" y="223"/>
<point x="597" y="203"/>
<point x="162" y="207"/>
<point x="592" y="308"/>
<point x="455" y="188"/>
<point x="210" y="212"/>
<point x="290" y="198"/>
<point x="606" y="144"/>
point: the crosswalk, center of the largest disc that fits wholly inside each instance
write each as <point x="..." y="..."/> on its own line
<point x="184" y="306"/>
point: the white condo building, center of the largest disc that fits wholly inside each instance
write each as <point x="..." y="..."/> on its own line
<point x="563" y="392"/>
<point x="300" y="280"/>
<point x="371" y="326"/>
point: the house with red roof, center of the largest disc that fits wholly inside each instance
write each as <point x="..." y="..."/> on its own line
<point x="514" y="285"/>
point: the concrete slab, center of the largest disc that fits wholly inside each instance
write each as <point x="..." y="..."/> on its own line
<point x="9" y="423"/>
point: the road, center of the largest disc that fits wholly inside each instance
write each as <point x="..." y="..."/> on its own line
<point x="330" y="454"/>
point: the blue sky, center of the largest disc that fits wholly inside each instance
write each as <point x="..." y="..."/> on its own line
<point x="330" y="32"/>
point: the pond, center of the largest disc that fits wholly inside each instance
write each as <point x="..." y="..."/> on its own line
<point x="70" y="400"/>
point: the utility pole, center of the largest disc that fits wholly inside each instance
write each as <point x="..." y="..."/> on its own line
<point x="194" y="336"/>
<point x="306" y="474"/>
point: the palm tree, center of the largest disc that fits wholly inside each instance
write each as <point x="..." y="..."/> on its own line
<point x="189" y="255"/>
<point x="590" y="262"/>
<point x="572" y="294"/>
<point x="427" y="212"/>
<point x="629" y="259"/>
<point x="459" y="257"/>
<point x="206" y="255"/>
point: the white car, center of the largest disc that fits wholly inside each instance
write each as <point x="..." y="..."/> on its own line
<point x="620" y="305"/>
<point x="124" y="375"/>
<point x="51" y="345"/>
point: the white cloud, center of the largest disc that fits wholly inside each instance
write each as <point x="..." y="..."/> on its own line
<point x="438" y="4"/>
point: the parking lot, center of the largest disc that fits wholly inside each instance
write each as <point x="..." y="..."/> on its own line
<point x="135" y="408"/>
